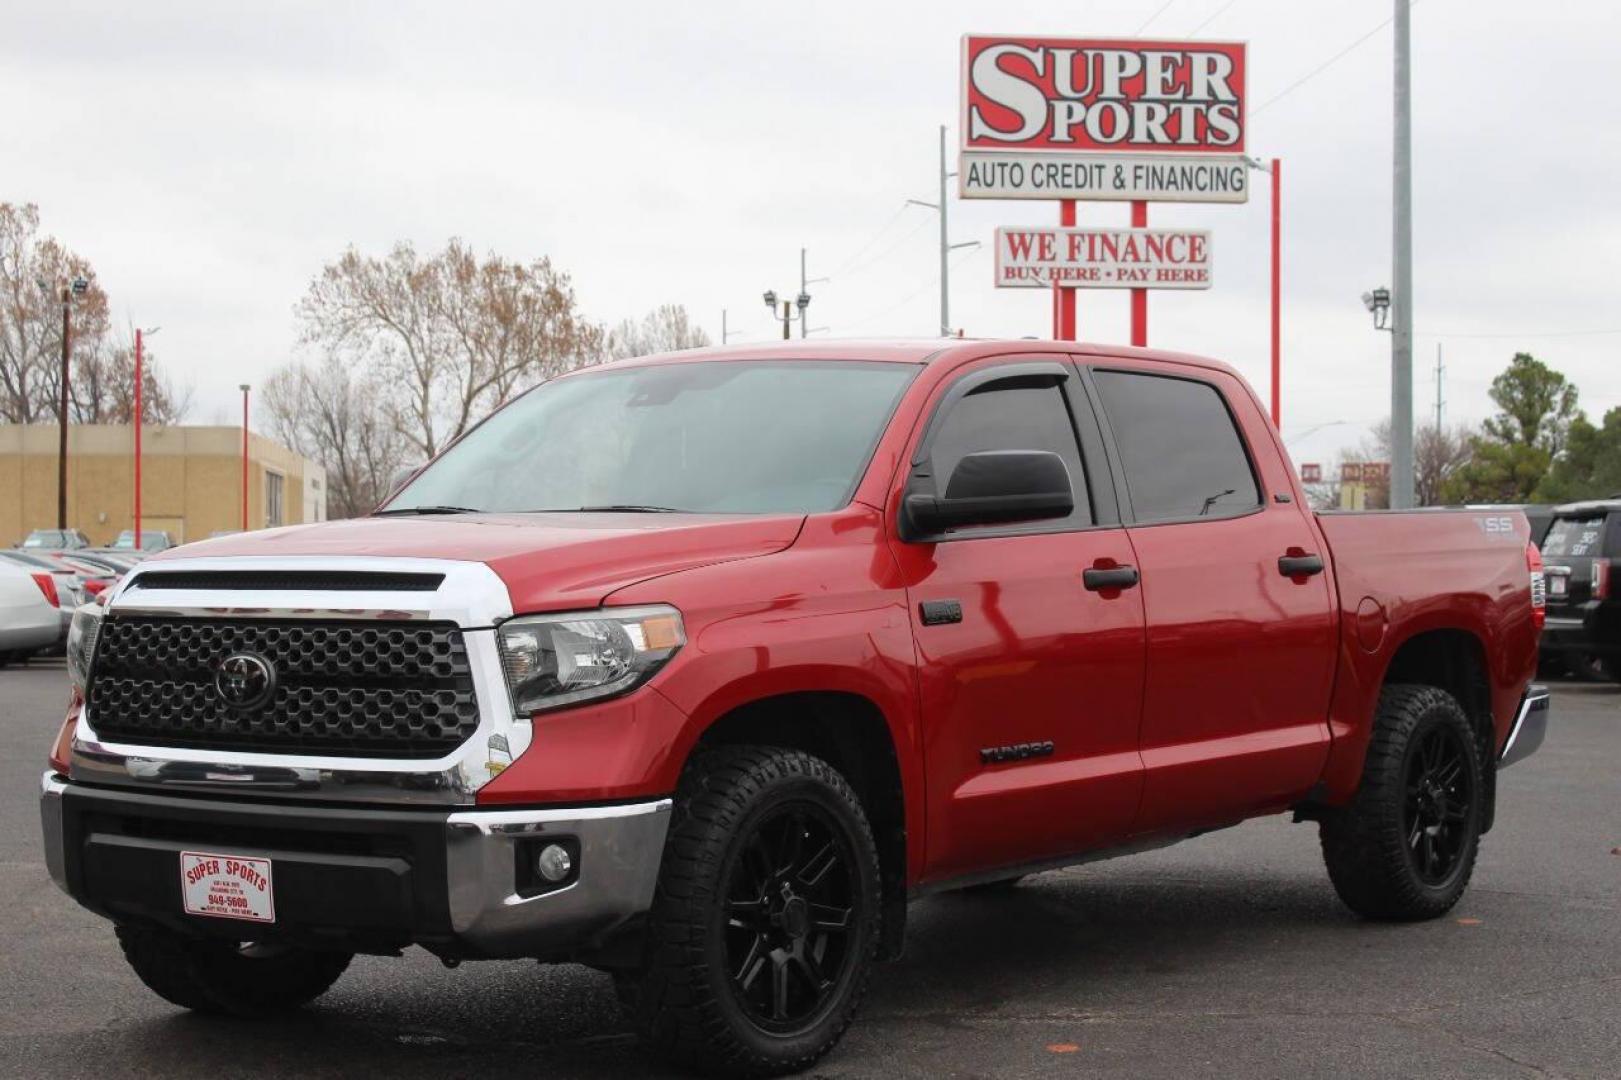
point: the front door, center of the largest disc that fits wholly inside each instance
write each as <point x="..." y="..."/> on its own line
<point x="1031" y="683"/>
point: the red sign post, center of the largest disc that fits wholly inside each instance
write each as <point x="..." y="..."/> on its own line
<point x="1102" y="119"/>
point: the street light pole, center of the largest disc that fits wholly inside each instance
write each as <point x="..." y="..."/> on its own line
<point x="62" y="414"/>
<point x="1401" y="298"/>
<point x="244" y="457"/>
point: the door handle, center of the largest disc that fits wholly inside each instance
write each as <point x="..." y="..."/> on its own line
<point x="1300" y="565"/>
<point x="1113" y="577"/>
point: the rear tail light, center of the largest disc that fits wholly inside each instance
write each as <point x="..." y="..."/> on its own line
<point x="1539" y="587"/>
<point x="94" y="586"/>
<point x="47" y="585"/>
<point x="1601" y="579"/>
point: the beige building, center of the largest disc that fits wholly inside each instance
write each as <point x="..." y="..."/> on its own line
<point x="191" y="481"/>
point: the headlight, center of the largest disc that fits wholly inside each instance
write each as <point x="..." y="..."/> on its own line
<point x="557" y="660"/>
<point x="82" y="634"/>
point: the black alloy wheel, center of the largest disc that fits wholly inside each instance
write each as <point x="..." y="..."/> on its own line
<point x="790" y="907"/>
<point x="1437" y="810"/>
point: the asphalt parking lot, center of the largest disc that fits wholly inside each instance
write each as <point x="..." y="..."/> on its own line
<point x="1225" y="956"/>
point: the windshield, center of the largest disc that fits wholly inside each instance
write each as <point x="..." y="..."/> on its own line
<point x="744" y="437"/>
<point x="45" y="538"/>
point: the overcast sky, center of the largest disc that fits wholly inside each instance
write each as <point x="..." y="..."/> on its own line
<point x="209" y="162"/>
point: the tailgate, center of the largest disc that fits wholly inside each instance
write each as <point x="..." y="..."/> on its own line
<point x="1574" y="560"/>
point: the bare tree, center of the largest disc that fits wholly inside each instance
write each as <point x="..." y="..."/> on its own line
<point x="1438" y="454"/>
<point x="102" y="390"/>
<point x="449" y="337"/>
<point x="33" y="271"/>
<point x="327" y="413"/>
<point x="666" y="328"/>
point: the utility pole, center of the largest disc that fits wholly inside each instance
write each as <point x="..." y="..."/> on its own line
<point x="804" y="298"/>
<point x="946" y="246"/>
<point x="1440" y="399"/>
<point x="1401" y="299"/>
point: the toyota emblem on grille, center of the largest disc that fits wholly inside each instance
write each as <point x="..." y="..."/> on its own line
<point x="245" y="680"/>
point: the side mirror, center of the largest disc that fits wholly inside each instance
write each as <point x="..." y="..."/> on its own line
<point x="993" y="487"/>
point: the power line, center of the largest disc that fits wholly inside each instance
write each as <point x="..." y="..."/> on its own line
<point x="852" y="271"/>
<point x="1521" y="334"/>
<point x="1219" y="12"/>
<point x="1162" y="10"/>
<point x="1326" y="64"/>
<point x="909" y="297"/>
<point x="870" y="241"/>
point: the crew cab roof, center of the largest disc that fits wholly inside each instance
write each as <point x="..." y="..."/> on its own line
<point x="910" y="351"/>
<point x="1588" y="506"/>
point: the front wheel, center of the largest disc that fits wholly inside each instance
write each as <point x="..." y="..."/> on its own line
<point x="212" y="976"/>
<point x="764" y="925"/>
<point x="1405" y="847"/>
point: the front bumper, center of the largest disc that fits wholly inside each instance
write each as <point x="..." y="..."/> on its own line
<point x="364" y="879"/>
<point x="1529" y="729"/>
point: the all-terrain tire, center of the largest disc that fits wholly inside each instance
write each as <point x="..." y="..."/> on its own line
<point x="1369" y="845"/>
<point x="212" y="976"/>
<point x="685" y="1000"/>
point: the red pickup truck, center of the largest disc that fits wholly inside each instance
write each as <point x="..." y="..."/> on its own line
<point x="699" y="668"/>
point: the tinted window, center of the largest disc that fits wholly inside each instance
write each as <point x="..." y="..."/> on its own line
<point x="1182" y="454"/>
<point x="1012" y="416"/>
<point x="1572" y="536"/>
<point x="718" y="437"/>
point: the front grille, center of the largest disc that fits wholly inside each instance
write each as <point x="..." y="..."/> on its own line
<point x="342" y="688"/>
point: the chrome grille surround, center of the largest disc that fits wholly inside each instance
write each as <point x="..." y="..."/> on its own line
<point x="471" y="598"/>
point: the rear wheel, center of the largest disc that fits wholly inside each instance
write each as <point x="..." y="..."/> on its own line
<point x="205" y="975"/>
<point x="765" y="922"/>
<point x="1405" y="847"/>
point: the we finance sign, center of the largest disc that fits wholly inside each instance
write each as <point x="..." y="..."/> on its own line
<point x="1083" y="118"/>
<point x="1039" y="258"/>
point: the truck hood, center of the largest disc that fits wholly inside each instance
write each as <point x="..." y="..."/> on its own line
<point x="549" y="562"/>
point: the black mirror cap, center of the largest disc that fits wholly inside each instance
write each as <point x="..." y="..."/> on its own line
<point x="994" y="487"/>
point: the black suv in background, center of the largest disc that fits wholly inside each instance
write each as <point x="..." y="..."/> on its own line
<point x="1584" y="614"/>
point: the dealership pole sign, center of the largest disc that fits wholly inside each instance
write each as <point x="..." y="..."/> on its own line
<point x="1102" y="119"/>
<point x="1061" y="118"/>
<point x="1040" y="258"/>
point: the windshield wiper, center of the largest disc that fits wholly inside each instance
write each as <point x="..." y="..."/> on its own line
<point x="627" y="508"/>
<point x="428" y="510"/>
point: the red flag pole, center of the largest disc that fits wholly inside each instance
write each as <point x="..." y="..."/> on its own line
<point x="1066" y="296"/>
<point x="1139" y="297"/>
<point x="138" y="414"/>
<point x="1277" y="273"/>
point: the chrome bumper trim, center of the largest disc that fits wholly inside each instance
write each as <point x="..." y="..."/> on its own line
<point x="50" y="818"/>
<point x="620" y="847"/>
<point x="1530" y="727"/>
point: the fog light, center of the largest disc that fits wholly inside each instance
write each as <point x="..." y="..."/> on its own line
<point x="553" y="863"/>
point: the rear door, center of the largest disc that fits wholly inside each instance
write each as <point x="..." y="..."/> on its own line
<point x="1030" y="682"/>
<point x="1241" y="627"/>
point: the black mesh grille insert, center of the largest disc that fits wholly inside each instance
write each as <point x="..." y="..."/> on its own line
<point x="311" y="580"/>
<point x="346" y="688"/>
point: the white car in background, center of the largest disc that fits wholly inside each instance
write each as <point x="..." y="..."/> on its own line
<point x="29" y="619"/>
